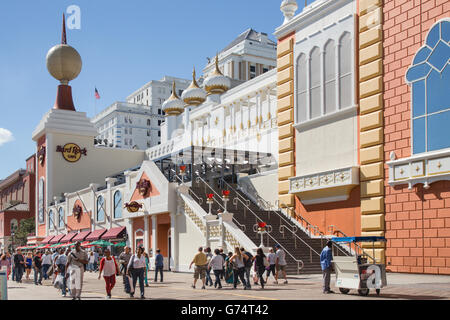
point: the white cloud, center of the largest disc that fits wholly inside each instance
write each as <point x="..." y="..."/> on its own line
<point x="5" y="136"/>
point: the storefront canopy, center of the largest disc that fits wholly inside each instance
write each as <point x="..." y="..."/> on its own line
<point x="81" y="236"/>
<point x="57" y="239"/>
<point x="95" y="235"/>
<point x="68" y="237"/>
<point x="114" y="233"/>
<point x="47" y="240"/>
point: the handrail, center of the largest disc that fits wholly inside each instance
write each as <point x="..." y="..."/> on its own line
<point x="299" y="261"/>
<point x="309" y="226"/>
<point x="206" y="184"/>
<point x="282" y="227"/>
<point x="199" y="199"/>
<point x="235" y="191"/>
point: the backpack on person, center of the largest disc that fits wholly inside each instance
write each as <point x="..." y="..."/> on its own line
<point x="249" y="262"/>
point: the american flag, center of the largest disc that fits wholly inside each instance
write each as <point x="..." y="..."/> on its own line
<point x="97" y="96"/>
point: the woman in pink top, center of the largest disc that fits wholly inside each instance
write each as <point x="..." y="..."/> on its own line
<point x="109" y="267"/>
<point x="5" y="262"/>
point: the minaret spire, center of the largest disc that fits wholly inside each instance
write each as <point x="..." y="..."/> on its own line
<point x="63" y="35"/>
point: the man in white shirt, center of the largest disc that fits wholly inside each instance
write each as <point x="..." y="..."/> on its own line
<point x="46" y="263"/>
<point x="272" y="258"/>
<point x="280" y="263"/>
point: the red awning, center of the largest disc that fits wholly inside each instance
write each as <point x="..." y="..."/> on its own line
<point x="95" y="235"/>
<point x="81" y="236"/>
<point x="57" y="239"/>
<point x="47" y="240"/>
<point x="114" y="233"/>
<point x="68" y="237"/>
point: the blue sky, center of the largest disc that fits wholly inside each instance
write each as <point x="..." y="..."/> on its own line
<point x="123" y="44"/>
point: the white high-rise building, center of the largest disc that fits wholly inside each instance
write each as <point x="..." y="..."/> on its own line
<point x="252" y="53"/>
<point x="128" y="126"/>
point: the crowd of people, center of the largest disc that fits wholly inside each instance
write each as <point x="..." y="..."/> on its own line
<point x="237" y="267"/>
<point x="65" y="268"/>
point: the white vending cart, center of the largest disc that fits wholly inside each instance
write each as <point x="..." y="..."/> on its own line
<point x="354" y="272"/>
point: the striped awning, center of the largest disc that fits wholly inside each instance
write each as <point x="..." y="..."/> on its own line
<point x="47" y="240"/>
<point x="57" y="238"/>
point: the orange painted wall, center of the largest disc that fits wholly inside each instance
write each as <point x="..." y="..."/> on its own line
<point x="138" y="223"/>
<point x="417" y="220"/>
<point x="344" y="215"/>
<point x="163" y="229"/>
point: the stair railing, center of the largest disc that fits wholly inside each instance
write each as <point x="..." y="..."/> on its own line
<point x="199" y="199"/>
<point x="235" y="202"/>
<point x="311" y="250"/>
<point x="309" y="227"/>
<point x="240" y="225"/>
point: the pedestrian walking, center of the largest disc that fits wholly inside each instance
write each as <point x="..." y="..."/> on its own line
<point x="216" y="264"/>
<point x="224" y="256"/>
<point x="19" y="265"/>
<point x="239" y="267"/>
<point x="325" y="263"/>
<point x="37" y="266"/>
<point x="272" y="258"/>
<point x="147" y="261"/>
<point x="159" y="265"/>
<point x="280" y="263"/>
<point x="108" y="266"/>
<point x="90" y="266"/>
<point x="13" y="267"/>
<point x="60" y="266"/>
<point x="260" y="265"/>
<point x="136" y="267"/>
<point x="248" y="266"/>
<point x="200" y="263"/>
<point x="229" y="269"/>
<point x="75" y="270"/>
<point x="124" y="258"/>
<point x="46" y="263"/>
<point x="208" y="270"/>
<point x="5" y="263"/>
<point x="96" y="260"/>
<point x="28" y="265"/>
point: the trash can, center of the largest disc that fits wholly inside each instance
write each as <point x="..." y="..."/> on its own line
<point x="3" y="286"/>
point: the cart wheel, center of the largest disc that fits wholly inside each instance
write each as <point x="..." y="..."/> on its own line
<point x="363" y="292"/>
<point x="378" y="292"/>
<point x="344" y="290"/>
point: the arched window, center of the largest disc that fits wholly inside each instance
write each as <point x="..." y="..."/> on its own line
<point x="345" y="71"/>
<point x="41" y="201"/>
<point x="429" y="76"/>
<point x="330" y="77"/>
<point x="117" y="205"/>
<point x="314" y="84"/>
<point x="100" y="208"/>
<point x="51" y="220"/>
<point x="302" y="102"/>
<point x="61" y="218"/>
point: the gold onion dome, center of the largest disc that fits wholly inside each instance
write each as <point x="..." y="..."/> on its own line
<point x="173" y="106"/>
<point x="217" y="83"/>
<point x="194" y="95"/>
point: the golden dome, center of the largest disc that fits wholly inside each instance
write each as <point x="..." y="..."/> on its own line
<point x="64" y="63"/>
<point x="217" y="83"/>
<point x="173" y="106"/>
<point x="194" y="95"/>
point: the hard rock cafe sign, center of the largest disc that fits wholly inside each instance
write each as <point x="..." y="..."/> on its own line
<point x="71" y="152"/>
<point x="143" y="186"/>
<point x="133" y="206"/>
